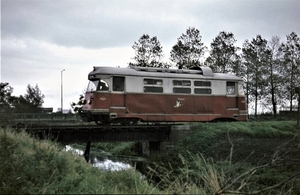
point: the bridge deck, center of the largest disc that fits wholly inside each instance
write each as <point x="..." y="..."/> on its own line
<point x="83" y="133"/>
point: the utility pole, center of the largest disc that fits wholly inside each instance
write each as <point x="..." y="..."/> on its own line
<point x="297" y="90"/>
<point x="61" y="92"/>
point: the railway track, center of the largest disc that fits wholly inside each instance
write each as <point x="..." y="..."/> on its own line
<point x="95" y="127"/>
<point x="95" y="133"/>
<point x="67" y="134"/>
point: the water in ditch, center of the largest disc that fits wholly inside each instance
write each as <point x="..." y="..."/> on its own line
<point x="105" y="161"/>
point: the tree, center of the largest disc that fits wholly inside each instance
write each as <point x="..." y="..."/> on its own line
<point x="5" y="96"/>
<point x="20" y="104"/>
<point x="256" y="56"/>
<point x="238" y="68"/>
<point x="188" y="50"/>
<point x="291" y="66"/>
<point x="32" y="101"/>
<point x="5" y="103"/>
<point x="9" y="104"/>
<point x="223" y="54"/>
<point x="274" y="94"/>
<point x="34" y="97"/>
<point x="148" y="52"/>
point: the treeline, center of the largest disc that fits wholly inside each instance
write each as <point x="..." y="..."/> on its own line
<point x="31" y="102"/>
<point x="270" y="68"/>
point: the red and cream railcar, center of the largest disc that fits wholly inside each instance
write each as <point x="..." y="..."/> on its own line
<point x="128" y="95"/>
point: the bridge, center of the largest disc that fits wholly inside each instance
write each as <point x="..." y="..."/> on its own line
<point x="157" y="137"/>
<point x="67" y="134"/>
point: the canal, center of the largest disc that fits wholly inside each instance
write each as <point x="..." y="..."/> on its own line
<point x="106" y="161"/>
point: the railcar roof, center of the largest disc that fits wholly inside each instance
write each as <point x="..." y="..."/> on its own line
<point x="203" y="73"/>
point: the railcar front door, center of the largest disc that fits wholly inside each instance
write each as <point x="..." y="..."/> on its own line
<point x="232" y="110"/>
<point x="117" y="107"/>
<point x="232" y="96"/>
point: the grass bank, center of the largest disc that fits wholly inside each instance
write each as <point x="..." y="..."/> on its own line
<point x="217" y="158"/>
<point x="248" y="137"/>
<point x="237" y="157"/>
<point x="30" y="166"/>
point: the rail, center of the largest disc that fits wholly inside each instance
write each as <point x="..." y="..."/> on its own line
<point x="40" y="118"/>
<point x="83" y="133"/>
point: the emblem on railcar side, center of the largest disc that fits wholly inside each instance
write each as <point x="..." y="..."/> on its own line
<point x="178" y="103"/>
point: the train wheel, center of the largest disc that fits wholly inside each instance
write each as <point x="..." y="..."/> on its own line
<point x="98" y="122"/>
<point x="130" y="121"/>
<point x="101" y="122"/>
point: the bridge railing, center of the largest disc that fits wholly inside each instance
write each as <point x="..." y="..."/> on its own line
<point x="44" y="117"/>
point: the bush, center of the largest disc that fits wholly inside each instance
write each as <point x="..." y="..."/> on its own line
<point x="30" y="166"/>
<point x="252" y="156"/>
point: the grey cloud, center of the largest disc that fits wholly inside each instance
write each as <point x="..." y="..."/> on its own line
<point x="59" y="22"/>
<point x="90" y="24"/>
<point x="102" y="24"/>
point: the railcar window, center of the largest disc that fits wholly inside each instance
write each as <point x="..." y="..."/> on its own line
<point x="92" y="86"/>
<point x="202" y="91"/>
<point x="153" y="82"/>
<point x="118" y="83"/>
<point x="181" y="90"/>
<point x="230" y="88"/>
<point x="153" y="86"/>
<point x="149" y="89"/>
<point x="202" y="83"/>
<point x="102" y="86"/>
<point x="182" y="86"/>
<point x="181" y="83"/>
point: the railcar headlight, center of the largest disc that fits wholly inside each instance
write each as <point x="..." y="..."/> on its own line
<point x="90" y="101"/>
<point x="83" y="102"/>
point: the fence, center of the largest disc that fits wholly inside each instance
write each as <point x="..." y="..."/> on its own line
<point x="38" y="118"/>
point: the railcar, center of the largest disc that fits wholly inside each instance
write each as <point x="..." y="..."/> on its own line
<point x="132" y="94"/>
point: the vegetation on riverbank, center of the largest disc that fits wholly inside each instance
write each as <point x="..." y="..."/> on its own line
<point x="237" y="158"/>
<point x="217" y="158"/>
<point x="30" y="166"/>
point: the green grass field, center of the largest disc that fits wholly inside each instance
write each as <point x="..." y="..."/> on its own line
<point x="217" y="158"/>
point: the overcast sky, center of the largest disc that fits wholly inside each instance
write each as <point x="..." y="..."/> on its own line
<point x="40" y="38"/>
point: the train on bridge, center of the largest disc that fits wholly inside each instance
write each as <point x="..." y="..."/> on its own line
<point x="133" y="94"/>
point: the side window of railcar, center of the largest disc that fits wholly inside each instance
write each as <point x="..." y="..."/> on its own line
<point x="118" y="83"/>
<point x="202" y="87"/>
<point x="153" y="85"/>
<point x="202" y="83"/>
<point x="102" y="86"/>
<point x="202" y="91"/>
<point x="181" y="82"/>
<point x="230" y="88"/>
<point x="92" y="86"/>
<point x="182" y="86"/>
